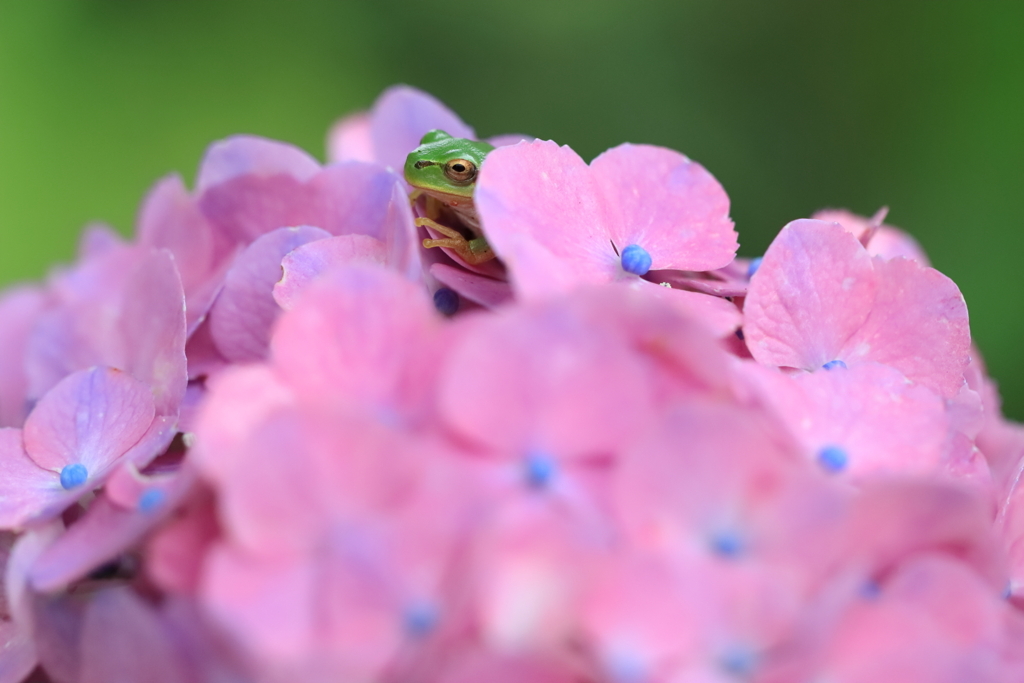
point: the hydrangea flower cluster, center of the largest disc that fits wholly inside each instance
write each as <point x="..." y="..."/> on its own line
<point x="272" y="438"/>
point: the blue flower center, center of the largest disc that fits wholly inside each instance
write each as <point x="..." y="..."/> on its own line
<point x="446" y="301"/>
<point x="738" y="661"/>
<point x="151" y="499"/>
<point x="833" y="458"/>
<point x="834" y="365"/>
<point x="727" y="544"/>
<point x="419" y="620"/>
<point x="755" y="264"/>
<point x="73" y="475"/>
<point x="539" y="469"/>
<point x="636" y="260"/>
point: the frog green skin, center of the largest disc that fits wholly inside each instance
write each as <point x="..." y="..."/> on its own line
<point x="445" y="169"/>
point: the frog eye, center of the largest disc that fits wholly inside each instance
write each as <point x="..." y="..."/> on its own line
<point x="460" y="170"/>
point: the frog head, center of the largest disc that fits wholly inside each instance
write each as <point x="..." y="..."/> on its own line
<point x="445" y="167"/>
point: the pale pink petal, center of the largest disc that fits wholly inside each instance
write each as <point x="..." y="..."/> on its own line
<point x="814" y="290"/>
<point x="545" y="218"/>
<point x="176" y="554"/>
<point x="241" y="319"/>
<point x="92" y="417"/>
<point x="349" y="336"/>
<point x="672" y="207"/>
<point x="306" y="263"/>
<point x="305" y="613"/>
<point x="881" y="422"/>
<point x="349" y="139"/>
<point x="918" y="324"/>
<point x="238" y="401"/>
<point x="538" y="379"/>
<point x="719" y="316"/>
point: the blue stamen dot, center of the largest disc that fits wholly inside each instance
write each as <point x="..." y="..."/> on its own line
<point x="151" y="499"/>
<point x="755" y="264"/>
<point x="636" y="260"/>
<point x="871" y="590"/>
<point x="540" y="469"/>
<point x="738" y="661"/>
<point x="833" y="458"/>
<point x="834" y="364"/>
<point x="727" y="544"/>
<point x="739" y="334"/>
<point x="420" y="620"/>
<point x="73" y="475"/>
<point x="446" y="301"/>
<point x="1008" y="591"/>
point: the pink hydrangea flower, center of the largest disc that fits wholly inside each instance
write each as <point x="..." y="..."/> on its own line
<point x="819" y="298"/>
<point x="270" y="438"/>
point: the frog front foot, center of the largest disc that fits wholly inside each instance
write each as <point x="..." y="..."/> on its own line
<point x="473" y="251"/>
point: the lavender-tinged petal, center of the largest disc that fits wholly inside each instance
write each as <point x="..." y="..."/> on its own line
<point x="482" y="290"/>
<point x="91" y="417"/>
<point x="306" y="263"/>
<point x="241" y="319"/>
<point x="19" y="310"/>
<point x="349" y="139"/>
<point x="153" y="327"/>
<point x="249" y="155"/>
<point x="401" y="116"/>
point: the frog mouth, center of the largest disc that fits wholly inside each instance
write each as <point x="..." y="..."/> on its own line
<point x="423" y="164"/>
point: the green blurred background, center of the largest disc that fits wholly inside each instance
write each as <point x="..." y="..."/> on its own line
<point x="794" y="105"/>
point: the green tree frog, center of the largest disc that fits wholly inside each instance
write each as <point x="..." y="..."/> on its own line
<point x="445" y="168"/>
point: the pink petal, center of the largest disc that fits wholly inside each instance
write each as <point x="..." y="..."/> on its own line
<point x="814" y="290"/>
<point x="538" y="379"/>
<point x="306" y="263"/>
<point x="884" y="424"/>
<point x="153" y="327"/>
<point x="348" y="336"/>
<point x="239" y="400"/>
<point x="719" y="316"/>
<point x="545" y="217"/>
<point x="918" y="324"/>
<point x="349" y="139"/>
<point x="668" y="205"/>
<point x="241" y="319"/>
<point x="887" y="242"/>
<point x="306" y="614"/>
<point x="177" y="552"/>
<point x="91" y="417"/>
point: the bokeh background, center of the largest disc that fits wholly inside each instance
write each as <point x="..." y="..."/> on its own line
<point x="794" y="105"/>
